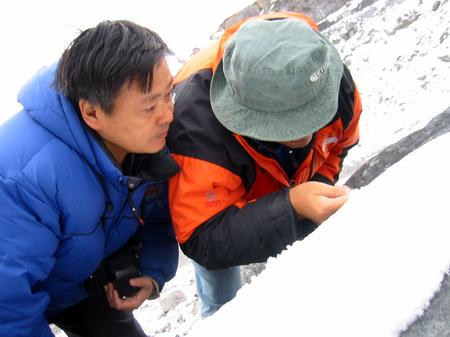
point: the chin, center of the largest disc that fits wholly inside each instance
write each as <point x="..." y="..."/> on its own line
<point x="156" y="147"/>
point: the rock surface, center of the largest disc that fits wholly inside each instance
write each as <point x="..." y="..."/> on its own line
<point x="435" y="321"/>
<point x="319" y="10"/>
<point x="395" y="152"/>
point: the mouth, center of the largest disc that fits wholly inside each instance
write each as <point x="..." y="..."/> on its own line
<point x="299" y="143"/>
<point x="163" y="134"/>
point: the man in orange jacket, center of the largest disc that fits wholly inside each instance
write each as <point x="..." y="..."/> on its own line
<point x="263" y="120"/>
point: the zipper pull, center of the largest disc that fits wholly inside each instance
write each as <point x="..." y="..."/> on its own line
<point x="133" y="182"/>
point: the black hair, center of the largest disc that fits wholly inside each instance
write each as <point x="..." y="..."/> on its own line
<point x="101" y="59"/>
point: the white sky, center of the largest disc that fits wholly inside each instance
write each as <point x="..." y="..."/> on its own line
<point x="35" y="33"/>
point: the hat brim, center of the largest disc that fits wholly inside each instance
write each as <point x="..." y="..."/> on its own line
<point x="277" y="126"/>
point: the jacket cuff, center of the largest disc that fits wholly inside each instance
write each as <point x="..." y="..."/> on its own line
<point x="321" y="179"/>
<point x="155" y="294"/>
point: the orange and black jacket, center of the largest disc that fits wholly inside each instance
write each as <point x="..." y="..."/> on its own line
<point x="229" y="203"/>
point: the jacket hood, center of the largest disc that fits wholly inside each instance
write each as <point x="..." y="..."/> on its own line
<point x="54" y="112"/>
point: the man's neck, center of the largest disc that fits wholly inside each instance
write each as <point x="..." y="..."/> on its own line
<point x="117" y="152"/>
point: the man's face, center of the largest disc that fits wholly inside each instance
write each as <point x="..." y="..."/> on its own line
<point x="298" y="143"/>
<point x="139" y="122"/>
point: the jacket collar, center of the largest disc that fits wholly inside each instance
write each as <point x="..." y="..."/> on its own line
<point x="155" y="166"/>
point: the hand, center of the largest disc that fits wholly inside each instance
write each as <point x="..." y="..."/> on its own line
<point x="317" y="201"/>
<point x="134" y="302"/>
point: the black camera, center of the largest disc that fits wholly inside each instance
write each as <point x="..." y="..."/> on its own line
<point x="121" y="271"/>
<point x="118" y="269"/>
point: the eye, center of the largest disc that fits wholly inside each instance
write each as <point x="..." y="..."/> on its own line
<point x="169" y="96"/>
<point x="150" y="109"/>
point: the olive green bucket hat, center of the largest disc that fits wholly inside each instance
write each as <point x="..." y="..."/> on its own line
<point x="278" y="80"/>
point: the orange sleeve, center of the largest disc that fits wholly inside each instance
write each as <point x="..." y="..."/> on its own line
<point x="351" y="134"/>
<point x="198" y="192"/>
<point x="350" y="137"/>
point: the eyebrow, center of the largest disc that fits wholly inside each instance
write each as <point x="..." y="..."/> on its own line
<point x="153" y="97"/>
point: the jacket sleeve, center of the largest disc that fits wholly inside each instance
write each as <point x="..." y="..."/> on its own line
<point x="349" y="112"/>
<point x="217" y="228"/>
<point x="159" y="255"/>
<point x="27" y="245"/>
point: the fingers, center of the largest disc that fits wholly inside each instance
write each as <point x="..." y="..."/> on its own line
<point x="326" y="190"/>
<point x="141" y="282"/>
<point x="338" y="191"/>
<point x="112" y="296"/>
<point x="331" y="205"/>
<point x="317" y="201"/>
<point x="129" y="303"/>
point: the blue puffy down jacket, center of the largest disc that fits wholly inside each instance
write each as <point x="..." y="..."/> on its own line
<point x="65" y="205"/>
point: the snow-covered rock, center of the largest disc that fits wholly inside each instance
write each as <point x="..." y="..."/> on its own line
<point x="370" y="270"/>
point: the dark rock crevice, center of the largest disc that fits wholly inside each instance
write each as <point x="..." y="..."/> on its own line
<point x="395" y="152"/>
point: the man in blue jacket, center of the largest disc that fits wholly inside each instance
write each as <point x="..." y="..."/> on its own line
<point x="83" y="170"/>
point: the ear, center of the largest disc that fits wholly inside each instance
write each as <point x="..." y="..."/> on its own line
<point x="92" y="114"/>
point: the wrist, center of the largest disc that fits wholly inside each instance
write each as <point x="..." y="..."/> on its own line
<point x="155" y="290"/>
<point x="291" y="198"/>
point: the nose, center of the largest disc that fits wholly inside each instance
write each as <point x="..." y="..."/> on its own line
<point x="167" y="114"/>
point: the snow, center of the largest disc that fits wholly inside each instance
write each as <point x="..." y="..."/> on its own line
<point x="398" y="53"/>
<point x="372" y="268"/>
<point x="357" y="275"/>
